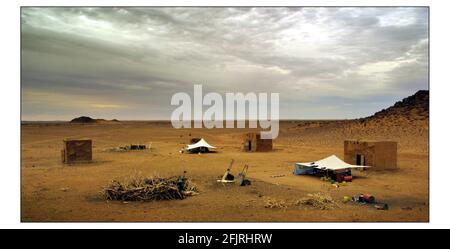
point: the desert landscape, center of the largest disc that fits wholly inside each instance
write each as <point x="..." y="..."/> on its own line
<point x="54" y="191"/>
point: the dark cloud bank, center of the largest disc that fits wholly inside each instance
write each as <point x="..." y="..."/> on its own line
<point x="127" y="63"/>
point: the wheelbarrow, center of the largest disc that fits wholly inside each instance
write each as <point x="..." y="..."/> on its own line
<point x="241" y="177"/>
<point x="227" y="176"/>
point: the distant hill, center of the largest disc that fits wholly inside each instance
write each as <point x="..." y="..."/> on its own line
<point x="89" y="120"/>
<point x="83" y="120"/>
<point x="415" y="107"/>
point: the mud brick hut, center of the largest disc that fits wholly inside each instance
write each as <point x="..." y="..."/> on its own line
<point x="76" y="150"/>
<point x="377" y="154"/>
<point x="254" y="143"/>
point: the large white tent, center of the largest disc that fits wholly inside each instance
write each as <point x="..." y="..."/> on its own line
<point x="200" y="144"/>
<point x="330" y="163"/>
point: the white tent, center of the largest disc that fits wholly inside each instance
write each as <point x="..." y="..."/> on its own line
<point x="199" y="144"/>
<point x="330" y="163"/>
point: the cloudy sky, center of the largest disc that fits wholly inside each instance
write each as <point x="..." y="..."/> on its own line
<point x="127" y="63"/>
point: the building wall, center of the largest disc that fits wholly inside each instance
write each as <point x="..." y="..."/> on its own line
<point x="386" y="155"/>
<point x="257" y="144"/>
<point x="378" y="154"/>
<point x="353" y="148"/>
<point x="77" y="150"/>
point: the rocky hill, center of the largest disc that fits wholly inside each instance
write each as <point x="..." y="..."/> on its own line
<point x="89" y="120"/>
<point x="415" y="107"/>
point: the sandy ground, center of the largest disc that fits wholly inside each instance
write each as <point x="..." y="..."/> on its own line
<point x="52" y="191"/>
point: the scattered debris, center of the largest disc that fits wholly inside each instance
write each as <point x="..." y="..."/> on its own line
<point x="276" y="176"/>
<point x="382" y="206"/>
<point x="138" y="188"/>
<point x="64" y="189"/>
<point x="364" y="199"/>
<point x="132" y="147"/>
<point x="271" y="203"/>
<point x="344" y="177"/>
<point x="335" y="185"/>
<point x="326" y="179"/>
<point x="319" y="200"/>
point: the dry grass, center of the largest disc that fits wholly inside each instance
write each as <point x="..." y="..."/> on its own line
<point x="271" y="203"/>
<point x="319" y="200"/>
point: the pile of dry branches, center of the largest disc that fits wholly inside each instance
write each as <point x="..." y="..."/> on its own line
<point x="318" y="201"/>
<point x="138" y="188"/>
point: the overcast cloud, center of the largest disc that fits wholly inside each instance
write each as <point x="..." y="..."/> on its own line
<point x="127" y="63"/>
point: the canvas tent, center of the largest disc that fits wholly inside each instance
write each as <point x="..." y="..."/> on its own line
<point x="200" y="146"/>
<point x="330" y="166"/>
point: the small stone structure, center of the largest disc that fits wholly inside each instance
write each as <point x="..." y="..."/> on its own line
<point x="254" y="143"/>
<point x="377" y="154"/>
<point x="76" y="150"/>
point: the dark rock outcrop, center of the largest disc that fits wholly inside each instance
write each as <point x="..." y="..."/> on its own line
<point x="83" y="120"/>
<point x="412" y="107"/>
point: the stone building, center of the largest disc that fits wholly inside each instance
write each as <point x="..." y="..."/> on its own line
<point x="254" y="143"/>
<point x="377" y="154"/>
<point x="76" y="150"/>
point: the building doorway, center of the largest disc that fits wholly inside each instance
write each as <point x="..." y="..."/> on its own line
<point x="248" y="145"/>
<point x="360" y="160"/>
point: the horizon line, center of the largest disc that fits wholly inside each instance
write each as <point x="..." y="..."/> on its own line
<point x="168" y="120"/>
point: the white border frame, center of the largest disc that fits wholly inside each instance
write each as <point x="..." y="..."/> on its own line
<point x="439" y="135"/>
